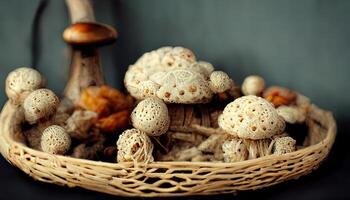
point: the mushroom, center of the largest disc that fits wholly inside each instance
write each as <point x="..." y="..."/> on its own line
<point x="174" y="75"/>
<point x="134" y="145"/>
<point x="234" y="151"/>
<point x="151" y="116"/>
<point x="252" y="121"/>
<point x="21" y="82"/>
<point x="55" y="140"/>
<point x="292" y="114"/>
<point x="284" y="145"/>
<point x="40" y="104"/>
<point x="253" y="85"/>
<point x="251" y="117"/>
<point x="220" y="82"/>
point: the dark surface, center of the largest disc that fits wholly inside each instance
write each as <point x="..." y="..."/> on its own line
<point x="304" y="45"/>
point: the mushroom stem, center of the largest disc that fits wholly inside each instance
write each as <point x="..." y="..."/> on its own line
<point x="80" y="11"/>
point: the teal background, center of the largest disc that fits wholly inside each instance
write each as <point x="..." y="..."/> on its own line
<point x="304" y="45"/>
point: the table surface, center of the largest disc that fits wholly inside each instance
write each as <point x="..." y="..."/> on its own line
<point x="330" y="181"/>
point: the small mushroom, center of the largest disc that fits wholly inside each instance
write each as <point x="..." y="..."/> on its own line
<point x="251" y="117"/>
<point x="134" y="146"/>
<point x="40" y="104"/>
<point x="151" y="116"/>
<point x="21" y="82"/>
<point x="55" y="140"/>
<point x="292" y="114"/>
<point x="253" y="85"/>
<point x="234" y="151"/>
<point x="220" y="82"/>
<point x="284" y="145"/>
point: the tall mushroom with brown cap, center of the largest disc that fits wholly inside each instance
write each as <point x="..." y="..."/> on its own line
<point x="174" y="75"/>
<point x="254" y="121"/>
<point x="85" y="36"/>
<point x="21" y="82"/>
<point x="40" y="104"/>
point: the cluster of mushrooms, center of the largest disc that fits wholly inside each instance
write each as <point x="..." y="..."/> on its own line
<point x="179" y="109"/>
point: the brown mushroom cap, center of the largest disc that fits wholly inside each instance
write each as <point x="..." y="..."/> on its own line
<point x="87" y="34"/>
<point x="251" y="117"/>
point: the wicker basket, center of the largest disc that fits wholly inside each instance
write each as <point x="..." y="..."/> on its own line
<point x="166" y="178"/>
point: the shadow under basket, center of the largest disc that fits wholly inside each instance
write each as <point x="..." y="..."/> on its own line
<point x="168" y="178"/>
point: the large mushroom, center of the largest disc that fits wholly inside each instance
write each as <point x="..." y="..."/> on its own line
<point x="174" y="75"/>
<point x="253" y="122"/>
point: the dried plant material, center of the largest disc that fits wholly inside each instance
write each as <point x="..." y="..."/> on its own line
<point x="21" y="82"/>
<point x="66" y="106"/>
<point x="292" y="114"/>
<point x="60" y="119"/>
<point x="134" y="146"/>
<point x="55" y="140"/>
<point x="279" y="96"/>
<point x="79" y="123"/>
<point x="110" y="152"/>
<point x="253" y="85"/>
<point x="34" y="133"/>
<point x="90" y="99"/>
<point x="114" y="122"/>
<point x="213" y="145"/>
<point x="151" y="116"/>
<point x="117" y="100"/>
<point x="251" y="117"/>
<point x="234" y="151"/>
<point x="284" y="145"/>
<point x="85" y="151"/>
<point x="258" y="148"/>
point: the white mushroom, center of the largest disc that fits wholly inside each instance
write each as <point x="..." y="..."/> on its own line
<point x="55" y="140"/>
<point x="151" y="116"/>
<point x="284" y="145"/>
<point x="253" y="85"/>
<point x="172" y="74"/>
<point x="220" y="82"/>
<point x="20" y="82"/>
<point x="41" y="103"/>
<point x="251" y="117"/>
<point x="134" y="146"/>
<point x="292" y="114"/>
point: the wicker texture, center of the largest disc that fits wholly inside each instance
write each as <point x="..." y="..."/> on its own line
<point x="168" y="178"/>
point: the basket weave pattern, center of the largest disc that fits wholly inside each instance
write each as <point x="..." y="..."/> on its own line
<point x="168" y="178"/>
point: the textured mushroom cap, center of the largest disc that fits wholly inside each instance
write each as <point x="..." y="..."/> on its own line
<point x="284" y="145"/>
<point x="292" y="114"/>
<point x="251" y="117"/>
<point x="22" y="81"/>
<point x="39" y="104"/>
<point x="220" y="82"/>
<point x="184" y="86"/>
<point x="151" y="116"/>
<point x="253" y="85"/>
<point x="55" y="140"/>
<point x="134" y="145"/>
<point x="158" y="65"/>
<point x="234" y="151"/>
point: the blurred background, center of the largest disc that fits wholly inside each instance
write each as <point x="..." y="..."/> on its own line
<point x="302" y="45"/>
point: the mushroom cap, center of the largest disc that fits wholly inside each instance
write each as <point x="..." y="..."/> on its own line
<point x="55" y="140"/>
<point x="253" y="85"/>
<point x="284" y="145"/>
<point x="87" y="33"/>
<point x="159" y="65"/>
<point x="251" y="117"/>
<point x="39" y="104"/>
<point x="220" y="81"/>
<point x="134" y="145"/>
<point x="151" y="116"/>
<point x="22" y="81"/>
<point x="234" y="151"/>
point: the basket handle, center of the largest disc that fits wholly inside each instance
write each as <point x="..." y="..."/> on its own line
<point x="85" y="36"/>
